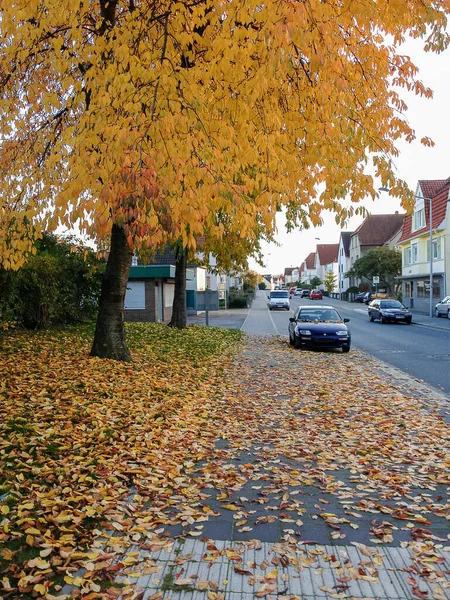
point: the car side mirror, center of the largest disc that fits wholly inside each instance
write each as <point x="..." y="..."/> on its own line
<point x="292" y="319"/>
<point x="346" y="320"/>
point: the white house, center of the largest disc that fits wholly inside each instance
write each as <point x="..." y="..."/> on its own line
<point x="344" y="262"/>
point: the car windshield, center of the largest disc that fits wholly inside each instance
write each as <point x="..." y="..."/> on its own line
<point x="279" y="294"/>
<point x="391" y="304"/>
<point x="328" y="315"/>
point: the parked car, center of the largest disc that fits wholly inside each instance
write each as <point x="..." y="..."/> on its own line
<point x="319" y="327"/>
<point x="388" y="310"/>
<point x="279" y="299"/>
<point x="361" y="296"/>
<point x="292" y="290"/>
<point x="305" y="294"/>
<point x="373" y="296"/>
<point x="442" y="308"/>
<point x="315" y="295"/>
<point x="298" y="292"/>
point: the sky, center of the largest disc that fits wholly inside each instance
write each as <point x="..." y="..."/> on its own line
<point x="428" y="117"/>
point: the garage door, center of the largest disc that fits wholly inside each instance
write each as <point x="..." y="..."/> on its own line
<point x="135" y="296"/>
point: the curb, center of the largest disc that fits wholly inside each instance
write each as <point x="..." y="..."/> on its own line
<point x="447" y="329"/>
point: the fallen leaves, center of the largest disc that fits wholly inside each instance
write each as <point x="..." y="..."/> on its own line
<point x="77" y="433"/>
<point x="101" y="458"/>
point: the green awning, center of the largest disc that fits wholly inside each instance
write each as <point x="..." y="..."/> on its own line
<point x="157" y="272"/>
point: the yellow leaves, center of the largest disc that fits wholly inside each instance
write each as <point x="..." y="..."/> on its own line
<point x="251" y="107"/>
<point x="38" y="563"/>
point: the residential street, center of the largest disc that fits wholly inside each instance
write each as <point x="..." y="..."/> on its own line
<point x="219" y="466"/>
<point x="330" y="479"/>
<point x="421" y="350"/>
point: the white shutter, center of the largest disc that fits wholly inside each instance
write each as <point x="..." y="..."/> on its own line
<point x="135" y="296"/>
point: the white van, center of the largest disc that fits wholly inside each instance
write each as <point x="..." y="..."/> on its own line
<point x="279" y="299"/>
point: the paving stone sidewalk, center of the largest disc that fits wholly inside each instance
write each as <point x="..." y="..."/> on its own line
<point x="296" y="501"/>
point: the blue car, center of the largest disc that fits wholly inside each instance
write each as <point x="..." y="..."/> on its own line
<point x="319" y="327"/>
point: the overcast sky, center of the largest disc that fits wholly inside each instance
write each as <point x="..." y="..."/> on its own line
<point x="428" y="118"/>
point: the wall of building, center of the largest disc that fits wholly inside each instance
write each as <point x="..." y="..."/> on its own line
<point x="149" y="313"/>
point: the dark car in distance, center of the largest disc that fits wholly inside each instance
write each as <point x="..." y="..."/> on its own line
<point x="388" y="310"/>
<point x="361" y="296"/>
<point x="305" y="294"/>
<point x="319" y="327"/>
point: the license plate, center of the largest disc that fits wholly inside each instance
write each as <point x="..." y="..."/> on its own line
<point x="399" y="316"/>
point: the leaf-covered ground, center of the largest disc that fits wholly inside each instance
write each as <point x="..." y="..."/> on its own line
<point x="106" y="465"/>
<point x="77" y="432"/>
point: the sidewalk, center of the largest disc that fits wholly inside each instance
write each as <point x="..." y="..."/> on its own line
<point x="315" y="489"/>
<point x="424" y="320"/>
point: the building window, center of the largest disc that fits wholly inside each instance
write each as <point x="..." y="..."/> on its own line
<point x="419" y="219"/>
<point x="437" y="249"/>
<point x="414" y="253"/>
<point x="422" y="290"/>
<point x="407" y="256"/>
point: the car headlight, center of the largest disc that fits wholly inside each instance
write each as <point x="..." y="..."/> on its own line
<point x="341" y="332"/>
<point x="304" y="332"/>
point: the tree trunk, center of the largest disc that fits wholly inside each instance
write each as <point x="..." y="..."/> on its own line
<point x="109" y="338"/>
<point x="179" y="299"/>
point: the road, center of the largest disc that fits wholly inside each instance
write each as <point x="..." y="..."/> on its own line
<point x="420" y="351"/>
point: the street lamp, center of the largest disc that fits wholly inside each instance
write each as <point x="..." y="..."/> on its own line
<point x="430" y="200"/>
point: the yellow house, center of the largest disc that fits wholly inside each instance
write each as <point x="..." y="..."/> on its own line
<point x="414" y="244"/>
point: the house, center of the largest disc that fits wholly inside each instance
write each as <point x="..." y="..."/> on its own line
<point x="374" y="231"/>
<point x="344" y="263"/>
<point x="308" y="268"/>
<point x="326" y="259"/>
<point x="291" y="275"/>
<point x="151" y="287"/>
<point x="288" y="275"/>
<point x="414" y="244"/>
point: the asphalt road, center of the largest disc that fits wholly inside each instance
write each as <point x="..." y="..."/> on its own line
<point x="420" y="351"/>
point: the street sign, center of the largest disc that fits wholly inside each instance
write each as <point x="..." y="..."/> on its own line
<point x="375" y="279"/>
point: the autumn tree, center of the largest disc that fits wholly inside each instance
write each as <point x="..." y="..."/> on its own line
<point x="383" y="262"/>
<point x="121" y="115"/>
<point x="329" y="281"/>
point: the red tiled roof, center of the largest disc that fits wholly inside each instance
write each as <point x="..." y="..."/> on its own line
<point x="310" y="260"/>
<point x="288" y="270"/>
<point x="376" y="230"/>
<point x="439" y="211"/>
<point x="328" y="253"/>
<point x="301" y="268"/>
<point x="430" y="187"/>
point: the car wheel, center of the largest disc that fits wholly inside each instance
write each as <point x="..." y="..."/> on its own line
<point x="408" y="321"/>
<point x="437" y="313"/>
<point x="346" y="349"/>
<point x="382" y="319"/>
<point x="448" y="314"/>
<point x="371" y="318"/>
<point x="297" y="342"/>
<point x="291" y="341"/>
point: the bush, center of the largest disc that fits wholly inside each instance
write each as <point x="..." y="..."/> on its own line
<point x="262" y="286"/>
<point x="237" y="301"/>
<point x="352" y="290"/>
<point x="59" y="284"/>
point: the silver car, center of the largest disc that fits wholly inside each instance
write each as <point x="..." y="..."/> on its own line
<point x="442" y="308"/>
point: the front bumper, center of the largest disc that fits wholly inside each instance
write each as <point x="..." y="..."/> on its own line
<point x="322" y="341"/>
